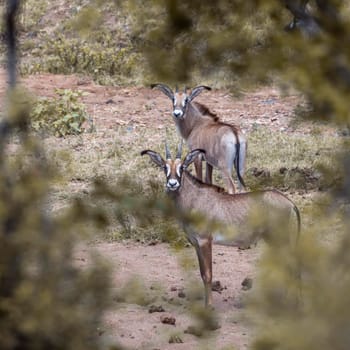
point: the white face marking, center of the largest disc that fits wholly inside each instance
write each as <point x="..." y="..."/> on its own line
<point x="167" y="170"/>
<point x="184" y="102"/>
<point x="175" y="101"/>
<point x="178" y="170"/>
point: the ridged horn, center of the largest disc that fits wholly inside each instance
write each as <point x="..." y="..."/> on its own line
<point x="179" y="150"/>
<point x="167" y="151"/>
<point x="165" y="89"/>
<point x="197" y="90"/>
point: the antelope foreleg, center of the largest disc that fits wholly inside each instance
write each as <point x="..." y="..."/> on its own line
<point x="204" y="253"/>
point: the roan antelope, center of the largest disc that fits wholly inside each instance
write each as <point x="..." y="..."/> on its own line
<point x="233" y="210"/>
<point x="224" y="144"/>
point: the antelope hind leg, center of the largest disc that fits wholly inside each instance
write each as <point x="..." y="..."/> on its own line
<point x="229" y="183"/>
<point x="209" y="174"/>
<point x="198" y="167"/>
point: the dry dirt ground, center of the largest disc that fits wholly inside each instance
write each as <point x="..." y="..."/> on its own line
<point x="157" y="268"/>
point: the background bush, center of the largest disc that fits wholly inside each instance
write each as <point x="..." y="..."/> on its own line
<point x="61" y="116"/>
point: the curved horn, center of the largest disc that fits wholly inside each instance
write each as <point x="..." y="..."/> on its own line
<point x="167" y="151"/>
<point x="197" y="90"/>
<point x="176" y="88"/>
<point x="155" y="157"/>
<point x="179" y="150"/>
<point x="165" y="89"/>
<point x="191" y="156"/>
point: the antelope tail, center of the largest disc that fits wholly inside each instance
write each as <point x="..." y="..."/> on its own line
<point x="297" y="213"/>
<point x="236" y="165"/>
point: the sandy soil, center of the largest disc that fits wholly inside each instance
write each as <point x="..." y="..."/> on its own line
<point x="159" y="267"/>
<point x="157" y="271"/>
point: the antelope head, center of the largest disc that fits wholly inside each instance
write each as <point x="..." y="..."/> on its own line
<point x="173" y="169"/>
<point x="180" y="100"/>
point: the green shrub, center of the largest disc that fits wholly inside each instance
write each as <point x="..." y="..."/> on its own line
<point x="61" y="116"/>
<point x="47" y="301"/>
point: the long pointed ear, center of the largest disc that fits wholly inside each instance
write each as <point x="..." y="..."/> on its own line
<point x="191" y="156"/>
<point x="155" y="157"/>
<point x="165" y="89"/>
<point x="197" y="90"/>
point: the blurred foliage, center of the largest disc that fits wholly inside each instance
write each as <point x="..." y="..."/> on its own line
<point x="61" y="116"/>
<point x="46" y="300"/>
<point x="246" y="40"/>
<point x="314" y="315"/>
<point x="300" y="301"/>
<point x="193" y="39"/>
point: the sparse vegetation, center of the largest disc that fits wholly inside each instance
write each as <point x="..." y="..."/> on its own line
<point x="90" y="40"/>
<point x="293" y="161"/>
<point x="61" y="116"/>
<point x="106" y="64"/>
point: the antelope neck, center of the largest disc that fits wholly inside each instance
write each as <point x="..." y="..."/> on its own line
<point x="189" y="122"/>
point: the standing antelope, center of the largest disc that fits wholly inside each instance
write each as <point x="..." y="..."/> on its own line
<point x="224" y="144"/>
<point x="234" y="210"/>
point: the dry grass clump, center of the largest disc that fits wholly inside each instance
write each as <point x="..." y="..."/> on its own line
<point x="293" y="161"/>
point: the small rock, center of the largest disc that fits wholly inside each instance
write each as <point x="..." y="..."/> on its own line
<point x="155" y="308"/>
<point x="181" y="294"/>
<point x="283" y="170"/>
<point x="217" y="287"/>
<point x="260" y="172"/>
<point x="173" y="289"/>
<point x="247" y="283"/>
<point x="168" y="320"/>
